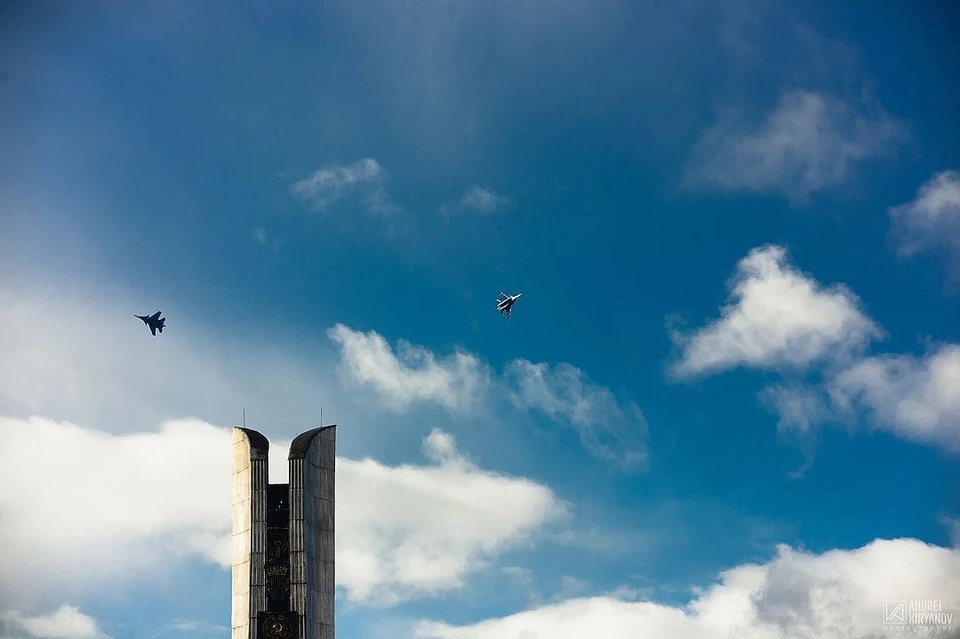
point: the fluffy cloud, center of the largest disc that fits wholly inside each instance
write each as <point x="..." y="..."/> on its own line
<point x="777" y="318"/>
<point x="931" y="222"/>
<point x="417" y="530"/>
<point x="609" y="430"/>
<point x="412" y="374"/>
<point x="482" y="200"/>
<point x="780" y="319"/>
<point x="835" y="595"/>
<point x="132" y="502"/>
<point x="333" y="182"/>
<point x="917" y="398"/>
<point x="141" y="501"/>
<point x="809" y="143"/>
<point x="67" y="622"/>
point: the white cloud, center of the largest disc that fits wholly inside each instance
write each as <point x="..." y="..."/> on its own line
<point x="483" y="200"/>
<point x="333" y="182"/>
<point x="931" y="222"/>
<point x="777" y="318"/>
<point x="781" y="319"/>
<point x="80" y="355"/>
<point x="132" y="502"/>
<point x="412" y="374"/>
<point x="917" y="398"/>
<point x="835" y="595"/>
<point x="609" y="430"/>
<point x="414" y="530"/>
<point x="808" y="144"/>
<point x="140" y="502"/>
<point x="67" y="622"/>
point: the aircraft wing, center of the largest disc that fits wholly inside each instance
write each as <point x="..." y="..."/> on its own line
<point x="155" y="315"/>
<point x="153" y="329"/>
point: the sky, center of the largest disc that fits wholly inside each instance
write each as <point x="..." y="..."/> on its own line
<point x="727" y="405"/>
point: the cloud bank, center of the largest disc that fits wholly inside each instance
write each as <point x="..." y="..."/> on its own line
<point x="144" y="501"/>
<point x="420" y="530"/>
<point x="66" y="622"/>
<point x="834" y="595"/>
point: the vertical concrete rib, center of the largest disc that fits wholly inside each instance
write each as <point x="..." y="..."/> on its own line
<point x="312" y="493"/>
<point x="249" y="530"/>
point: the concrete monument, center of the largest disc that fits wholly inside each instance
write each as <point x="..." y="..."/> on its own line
<point x="283" y="548"/>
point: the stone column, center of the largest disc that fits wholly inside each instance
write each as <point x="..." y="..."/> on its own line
<point x="249" y="530"/>
<point x="312" y="581"/>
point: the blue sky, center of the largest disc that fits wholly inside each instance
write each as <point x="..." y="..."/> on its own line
<point x="737" y="231"/>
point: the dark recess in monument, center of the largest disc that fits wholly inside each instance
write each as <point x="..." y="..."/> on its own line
<point x="277" y="562"/>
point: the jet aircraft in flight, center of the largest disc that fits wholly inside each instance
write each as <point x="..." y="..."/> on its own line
<point x="155" y="322"/>
<point x="505" y="303"/>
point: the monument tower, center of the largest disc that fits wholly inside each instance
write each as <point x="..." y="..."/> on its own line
<point x="283" y="548"/>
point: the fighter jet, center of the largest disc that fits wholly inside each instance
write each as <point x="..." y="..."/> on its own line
<point x="155" y="322"/>
<point x="505" y="303"/>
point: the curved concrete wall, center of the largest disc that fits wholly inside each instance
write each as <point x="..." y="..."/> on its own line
<point x="312" y="491"/>
<point x="249" y="530"/>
